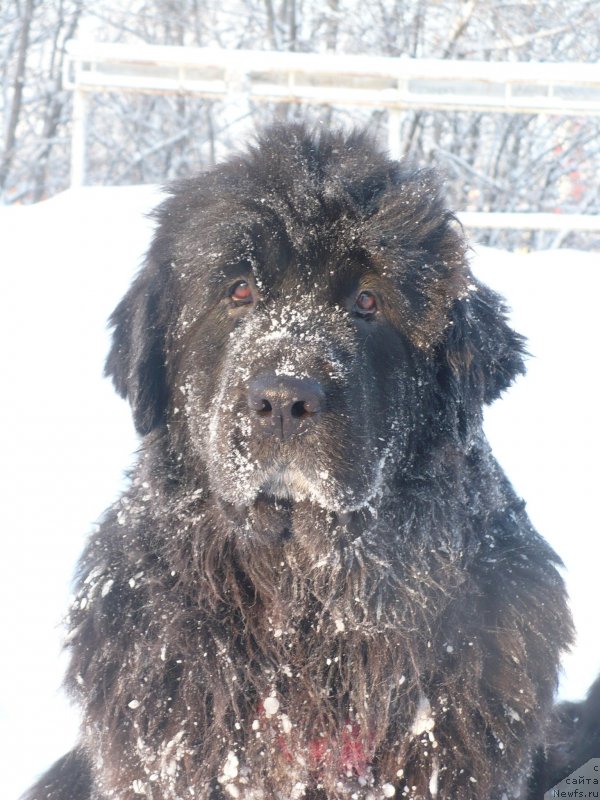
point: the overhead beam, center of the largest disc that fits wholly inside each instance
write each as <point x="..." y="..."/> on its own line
<point x="341" y="80"/>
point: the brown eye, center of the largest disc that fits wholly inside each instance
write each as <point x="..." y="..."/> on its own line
<point x="365" y="304"/>
<point x="241" y="293"/>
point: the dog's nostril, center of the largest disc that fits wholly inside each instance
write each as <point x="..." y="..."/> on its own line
<point x="298" y="409"/>
<point x="266" y="407"/>
<point x="258" y="402"/>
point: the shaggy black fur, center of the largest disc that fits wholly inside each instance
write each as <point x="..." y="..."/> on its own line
<point x="69" y="779"/>
<point x="572" y="738"/>
<point x="319" y="584"/>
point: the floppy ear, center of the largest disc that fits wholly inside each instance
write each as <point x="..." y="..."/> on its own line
<point x="480" y="355"/>
<point x="136" y="361"/>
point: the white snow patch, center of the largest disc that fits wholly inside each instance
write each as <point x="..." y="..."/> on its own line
<point x="230" y="768"/>
<point x="423" y="721"/>
<point x="286" y="723"/>
<point x="271" y="706"/>
<point x="434" y="778"/>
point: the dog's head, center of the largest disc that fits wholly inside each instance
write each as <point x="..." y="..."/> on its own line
<point x="306" y="323"/>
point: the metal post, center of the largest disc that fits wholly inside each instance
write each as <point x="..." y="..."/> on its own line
<point x="394" y="126"/>
<point x="237" y="107"/>
<point x="78" y="138"/>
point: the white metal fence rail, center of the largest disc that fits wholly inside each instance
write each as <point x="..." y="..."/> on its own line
<point x="395" y="84"/>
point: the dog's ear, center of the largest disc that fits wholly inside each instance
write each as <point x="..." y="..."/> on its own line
<point x="136" y="360"/>
<point x="480" y="354"/>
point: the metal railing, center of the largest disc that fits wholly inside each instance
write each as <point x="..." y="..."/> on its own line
<point x="395" y="84"/>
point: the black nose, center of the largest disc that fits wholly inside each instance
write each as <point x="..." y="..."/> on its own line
<point x="281" y="405"/>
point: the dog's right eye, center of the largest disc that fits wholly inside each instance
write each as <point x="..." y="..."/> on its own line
<point x="365" y="304"/>
<point x="241" y="293"/>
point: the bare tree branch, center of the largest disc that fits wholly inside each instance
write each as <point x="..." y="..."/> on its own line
<point x="10" y="135"/>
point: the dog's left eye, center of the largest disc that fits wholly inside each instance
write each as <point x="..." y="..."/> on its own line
<point x="365" y="304"/>
<point x="241" y="293"/>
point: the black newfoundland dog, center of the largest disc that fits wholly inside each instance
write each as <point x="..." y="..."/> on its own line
<point x="319" y="584"/>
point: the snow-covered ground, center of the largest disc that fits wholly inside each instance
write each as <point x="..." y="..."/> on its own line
<point x="66" y="438"/>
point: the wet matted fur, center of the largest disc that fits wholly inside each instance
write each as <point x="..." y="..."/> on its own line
<point x="320" y="583"/>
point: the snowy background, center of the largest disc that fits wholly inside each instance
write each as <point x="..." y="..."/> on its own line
<point x="66" y="438"/>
